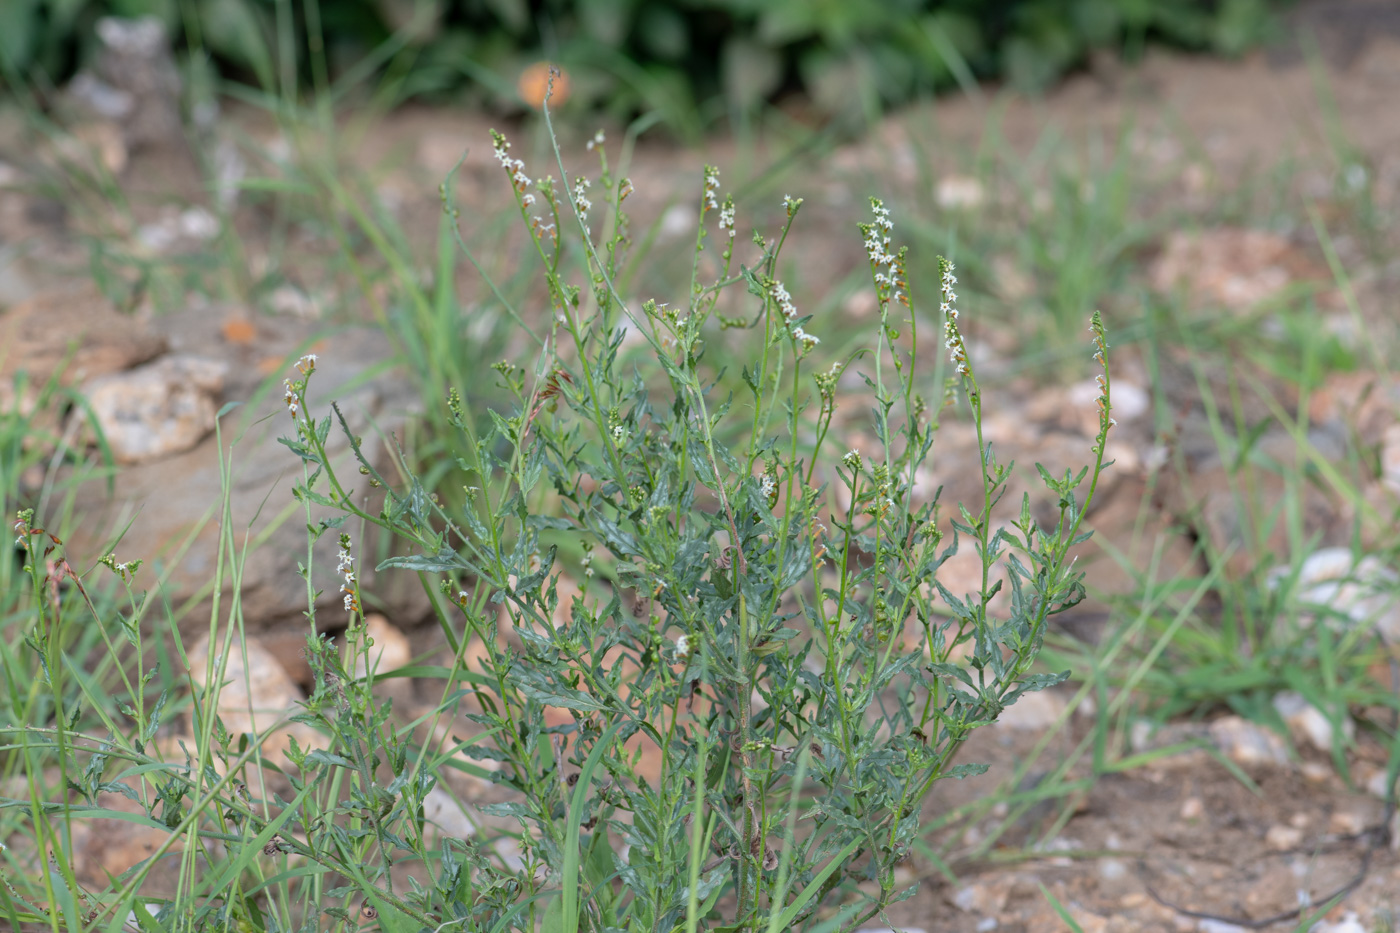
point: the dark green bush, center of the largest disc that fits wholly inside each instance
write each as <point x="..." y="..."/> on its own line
<point x="692" y="59"/>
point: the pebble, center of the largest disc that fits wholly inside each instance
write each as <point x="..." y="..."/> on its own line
<point x="959" y="192"/>
<point x="156" y="410"/>
<point x="1390" y="458"/>
<point x="1349" y="923"/>
<point x="1192" y="808"/>
<point x="1112" y="869"/>
<point x="1346" y="823"/>
<point x="1283" y="838"/>
<point x="981" y="898"/>
<point x="1247" y="743"/>
<point x="1307" y="723"/>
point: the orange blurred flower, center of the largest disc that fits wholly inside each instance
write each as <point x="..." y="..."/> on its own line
<point x="534" y="84"/>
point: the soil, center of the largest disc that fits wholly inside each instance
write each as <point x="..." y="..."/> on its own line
<point x="1157" y="847"/>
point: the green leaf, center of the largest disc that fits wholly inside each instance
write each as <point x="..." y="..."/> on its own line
<point x="561" y="697"/>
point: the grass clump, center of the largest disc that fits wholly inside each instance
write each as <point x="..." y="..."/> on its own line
<point x="715" y="673"/>
<point x="700" y="648"/>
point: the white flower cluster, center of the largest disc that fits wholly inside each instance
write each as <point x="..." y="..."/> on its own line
<point x="768" y="486"/>
<point x="779" y="293"/>
<point x="791" y="204"/>
<point x="957" y="350"/>
<point x="346" y="568"/>
<point x="515" y="167"/>
<point x="726" y="217"/>
<point x="307" y="364"/>
<point x="683" y="647"/>
<point x="581" y="201"/>
<point x="877" y="235"/>
<point x="290" y="397"/>
<point x="711" y="188"/>
<point x="597" y="140"/>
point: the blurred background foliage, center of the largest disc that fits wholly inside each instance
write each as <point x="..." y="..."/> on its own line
<point x="707" y="59"/>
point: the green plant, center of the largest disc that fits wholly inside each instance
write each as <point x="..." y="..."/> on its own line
<point x="757" y="614"/>
<point x="690" y="62"/>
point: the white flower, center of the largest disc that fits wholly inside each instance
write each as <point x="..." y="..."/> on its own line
<point x="581" y="201"/>
<point x="768" y="486"/>
<point x="711" y="188"/>
<point x="683" y="647"/>
<point x="597" y="140"/>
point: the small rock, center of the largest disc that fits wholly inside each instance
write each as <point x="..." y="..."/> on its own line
<point x="986" y="924"/>
<point x="442" y="810"/>
<point x="1218" y="926"/>
<point x="1036" y="711"/>
<point x="1232" y="267"/>
<point x="389" y="652"/>
<point x="190" y="226"/>
<point x="861" y="303"/>
<point x="1246" y="743"/>
<point x="1112" y="869"/>
<point x="1335" y="583"/>
<point x="1307" y="723"/>
<point x="678" y="221"/>
<point x="110" y="103"/>
<point x="159" y="409"/>
<point x="1350" y="923"/>
<point x="1375" y="783"/>
<point x="104" y="847"/>
<point x="959" y="192"/>
<point x="1390" y="458"/>
<point x="1346" y="823"/>
<point x="1192" y="808"/>
<point x="1283" y="838"/>
<point x="134" y="57"/>
<point x="256" y="697"/>
<point x="288" y="299"/>
<point x="95" y="146"/>
<point x="1315" y="772"/>
<point x="981" y="898"/>
<point x="390" y="649"/>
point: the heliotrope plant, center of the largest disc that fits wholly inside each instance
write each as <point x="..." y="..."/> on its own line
<point x="730" y="674"/>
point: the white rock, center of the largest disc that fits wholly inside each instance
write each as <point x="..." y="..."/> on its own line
<point x="1033" y="711"/>
<point x="1218" y="926"/>
<point x="986" y="924"/>
<point x="1245" y="743"/>
<point x="959" y="192"/>
<point x="981" y="898"/>
<point x="1350" y="923"/>
<point x="192" y="225"/>
<point x="1308" y="723"/>
<point x="1390" y="458"/>
<point x="442" y="810"/>
<point x="159" y="409"/>
<point x="678" y="221"/>
<point x="1366" y="591"/>
<point x="1192" y="808"/>
<point x="1282" y="838"/>
<point x="288" y="299"/>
